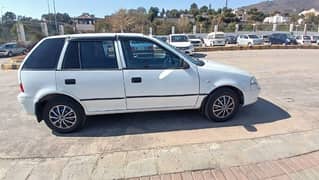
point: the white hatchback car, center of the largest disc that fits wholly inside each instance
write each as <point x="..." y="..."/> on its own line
<point x="66" y="78"/>
<point x="249" y="40"/>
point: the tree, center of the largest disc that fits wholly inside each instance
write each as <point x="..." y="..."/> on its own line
<point x="9" y="17"/>
<point x="203" y="9"/>
<point x="152" y="13"/>
<point x="194" y="9"/>
<point x="174" y="13"/>
<point x="61" y="18"/>
<point x="255" y="15"/>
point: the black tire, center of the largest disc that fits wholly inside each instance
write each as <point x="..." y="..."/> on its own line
<point x="10" y="54"/>
<point x="214" y="97"/>
<point x="80" y="117"/>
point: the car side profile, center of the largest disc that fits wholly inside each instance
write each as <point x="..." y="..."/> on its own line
<point x="66" y="78"/>
<point x="249" y="40"/>
<point x="11" y="49"/>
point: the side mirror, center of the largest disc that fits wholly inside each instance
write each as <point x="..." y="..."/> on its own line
<point x="185" y="65"/>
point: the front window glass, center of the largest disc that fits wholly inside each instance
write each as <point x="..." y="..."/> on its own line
<point x="144" y="54"/>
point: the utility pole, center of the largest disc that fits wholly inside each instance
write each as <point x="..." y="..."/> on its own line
<point x="55" y="20"/>
<point x="226" y="4"/>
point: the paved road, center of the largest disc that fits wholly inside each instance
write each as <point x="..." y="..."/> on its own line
<point x="289" y="103"/>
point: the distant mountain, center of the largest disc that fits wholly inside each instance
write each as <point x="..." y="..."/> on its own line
<point x="284" y="6"/>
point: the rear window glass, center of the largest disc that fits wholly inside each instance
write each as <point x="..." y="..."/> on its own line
<point x="46" y="55"/>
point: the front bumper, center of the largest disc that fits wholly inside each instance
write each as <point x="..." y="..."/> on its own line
<point x="4" y="53"/>
<point x="27" y="103"/>
<point x="252" y="94"/>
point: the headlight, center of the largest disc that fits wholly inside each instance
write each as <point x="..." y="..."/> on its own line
<point x="253" y="81"/>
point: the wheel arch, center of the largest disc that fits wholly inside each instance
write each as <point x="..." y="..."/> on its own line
<point x="237" y="90"/>
<point x="41" y="102"/>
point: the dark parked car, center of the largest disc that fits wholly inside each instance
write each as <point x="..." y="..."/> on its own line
<point x="282" y="38"/>
<point x="230" y="39"/>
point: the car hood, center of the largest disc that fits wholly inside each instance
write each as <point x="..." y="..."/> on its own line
<point x="180" y="44"/>
<point x="215" y="66"/>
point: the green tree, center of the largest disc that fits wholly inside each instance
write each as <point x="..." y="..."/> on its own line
<point x="152" y="13"/>
<point x="194" y="9"/>
<point x="255" y="15"/>
<point x="9" y="17"/>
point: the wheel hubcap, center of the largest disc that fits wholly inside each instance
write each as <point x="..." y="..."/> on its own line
<point x="62" y="116"/>
<point x="223" y="106"/>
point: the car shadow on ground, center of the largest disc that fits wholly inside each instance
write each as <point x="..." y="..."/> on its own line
<point x="151" y="122"/>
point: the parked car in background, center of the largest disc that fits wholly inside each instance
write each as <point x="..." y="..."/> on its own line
<point x="314" y="39"/>
<point x="231" y="39"/>
<point x="303" y="40"/>
<point x="181" y="42"/>
<point x="249" y="40"/>
<point x="11" y="49"/>
<point x="265" y="38"/>
<point x="195" y="40"/>
<point x="66" y="78"/>
<point x="282" y="38"/>
<point x="318" y="42"/>
<point x="161" y="38"/>
<point x="215" y="39"/>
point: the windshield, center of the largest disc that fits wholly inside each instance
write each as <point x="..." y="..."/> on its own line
<point x="253" y="37"/>
<point x="192" y="37"/>
<point x="180" y="38"/>
<point x="306" y="38"/>
<point x="216" y="36"/>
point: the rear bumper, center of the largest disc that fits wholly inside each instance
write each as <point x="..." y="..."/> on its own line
<point x="27" y="103"/>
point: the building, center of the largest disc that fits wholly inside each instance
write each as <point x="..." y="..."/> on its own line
<point x="276" y="19"/>
<point x="85" y="23"/>
<point x="310" y="11"/>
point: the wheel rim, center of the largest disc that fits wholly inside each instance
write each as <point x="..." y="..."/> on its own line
<point x="62" y="116"/>
<point x="223" y="106"/>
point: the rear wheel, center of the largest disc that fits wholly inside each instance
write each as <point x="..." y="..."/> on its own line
<point x="222" y="105"/>
<point x="63" y="115"/>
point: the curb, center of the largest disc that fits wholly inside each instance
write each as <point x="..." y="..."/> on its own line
<point x="10" y="66"/>
<point x="236" y="48"/>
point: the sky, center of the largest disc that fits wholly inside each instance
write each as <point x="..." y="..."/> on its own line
<point x="100" y="8"/>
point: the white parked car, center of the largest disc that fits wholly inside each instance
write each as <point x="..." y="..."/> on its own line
<point x="304" y="40"/>
<point x="181" y="42"/>
<point x="195" y="40"/>
<point x="318" y="42"/>
<point x="66" y="78"/>
<point x="249" y="40"/>
<point x="215" y="39"/>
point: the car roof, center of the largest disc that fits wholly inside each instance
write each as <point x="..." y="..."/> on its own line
<point x="97" y="35"/>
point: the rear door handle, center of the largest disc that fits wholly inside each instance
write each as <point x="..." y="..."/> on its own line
<point x="70" y="81"/>
<point x="136" y="80"/>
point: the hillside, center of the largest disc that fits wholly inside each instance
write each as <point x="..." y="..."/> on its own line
<point x="284" y="6"/>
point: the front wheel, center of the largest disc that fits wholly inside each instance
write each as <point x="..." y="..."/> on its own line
<point x="222" y="105"/>
<point x="63" y="115"/>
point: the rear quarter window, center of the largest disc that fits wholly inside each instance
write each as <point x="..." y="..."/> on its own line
<point x="45" y="56"/>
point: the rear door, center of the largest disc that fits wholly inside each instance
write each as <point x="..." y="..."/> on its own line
<point x="156" y="78"/>
<point x="90" y="71"/>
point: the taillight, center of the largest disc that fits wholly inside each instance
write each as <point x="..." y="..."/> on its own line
<point x="21" y="87"/>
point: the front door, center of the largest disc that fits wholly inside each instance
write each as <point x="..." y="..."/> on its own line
<point x="156" y="78"/>
<point x="90" y="72"/>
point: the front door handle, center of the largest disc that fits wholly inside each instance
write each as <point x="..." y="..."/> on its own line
<point x="70" y="81"/>
<point x="136" y="80"/>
